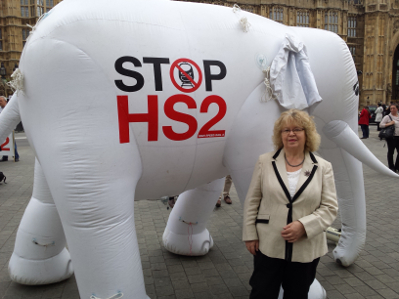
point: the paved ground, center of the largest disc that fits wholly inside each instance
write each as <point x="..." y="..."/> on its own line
<point x="225" y="271"/>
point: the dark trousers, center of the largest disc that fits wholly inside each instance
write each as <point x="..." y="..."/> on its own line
<point x="393" y="143"/>
<point x="365" y="130"/>
<point x="378" y="126"/>
<point x="270" y="273"/>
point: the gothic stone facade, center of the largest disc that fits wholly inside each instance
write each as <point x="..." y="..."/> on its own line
<point x="15" y="16"/>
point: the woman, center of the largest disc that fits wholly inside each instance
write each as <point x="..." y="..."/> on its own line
<point x="389" y="120"/>
<point x="364" y="122"/>
<point x="290" y="203"/>
<point x="378" y="116"/>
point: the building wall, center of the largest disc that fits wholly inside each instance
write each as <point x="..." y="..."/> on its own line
<point x="15" y="16"/>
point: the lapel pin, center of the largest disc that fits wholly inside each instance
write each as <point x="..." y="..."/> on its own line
<point x="307" y="173"/>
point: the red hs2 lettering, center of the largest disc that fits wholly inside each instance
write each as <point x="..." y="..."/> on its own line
<point x="186" y="76"/>
<point x="152" y="117"/>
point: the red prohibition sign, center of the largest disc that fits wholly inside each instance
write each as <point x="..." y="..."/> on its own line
<point x="195" y="84"/>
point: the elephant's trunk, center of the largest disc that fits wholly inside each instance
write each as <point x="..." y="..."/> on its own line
<point x="343" y="136"/>
<point x="346" y="159"/>
<point x="9" y="118"/>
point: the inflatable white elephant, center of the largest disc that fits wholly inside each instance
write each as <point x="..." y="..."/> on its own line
<point x="137" y="99"/>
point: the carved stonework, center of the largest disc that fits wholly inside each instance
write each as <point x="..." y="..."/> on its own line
<point x="371" y="7"/>
<point x="395" y="26"/>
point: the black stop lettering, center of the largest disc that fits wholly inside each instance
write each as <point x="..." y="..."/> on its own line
<point x="209" y="77"/>
<point x="129" y="73"/>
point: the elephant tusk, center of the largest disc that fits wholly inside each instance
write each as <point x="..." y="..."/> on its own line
<point x="343" y="136"/>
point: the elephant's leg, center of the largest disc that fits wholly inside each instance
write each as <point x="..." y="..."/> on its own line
<point x="95" y="201"/>
<point x="186" y="232"/>
<point x="40" y="256"/>
<point x="348" y="172"/>
<point x="102" y="240"/>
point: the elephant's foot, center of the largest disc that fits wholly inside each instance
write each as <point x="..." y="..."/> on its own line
<point x="37" y="272"/>
<point x="189" y="244"/>
<point x="186" y="232"/>
<point x="316" y="291"/>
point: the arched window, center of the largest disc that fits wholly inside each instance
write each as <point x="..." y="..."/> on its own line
<point x="302" y="18"/>
<point x="277" y="14"/>
<point x="331" y="21"/>
<point x="352" y="27"/>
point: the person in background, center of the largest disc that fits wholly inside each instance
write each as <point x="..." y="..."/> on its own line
<point x="3" y="103"/>
<point x="290" y="203"/>
<point x="387" y="108"/>
<point x="384" y="108"/>
<point x="378" y="116"/>
<point x="392" y="119"/>
<point x="364" y="120"/>
<point x="226" y="192"/>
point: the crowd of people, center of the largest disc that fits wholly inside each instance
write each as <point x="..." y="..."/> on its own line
<point x="385" y="115"/>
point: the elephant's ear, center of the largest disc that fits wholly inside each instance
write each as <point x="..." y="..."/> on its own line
<point x="291" y="78"/>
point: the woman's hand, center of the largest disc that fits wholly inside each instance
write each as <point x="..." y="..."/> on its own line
<point x="390" y="123"/>
<point x="252" y="246"/>
<point x="293" y="231"/>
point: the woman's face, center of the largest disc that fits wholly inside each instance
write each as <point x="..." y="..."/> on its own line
<point x="394" y="110"/>
<point x="293" y="136"/>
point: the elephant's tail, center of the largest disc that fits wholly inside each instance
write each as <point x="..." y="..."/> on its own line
<point x="9" y="118"/>
<point x="343" y="136"/>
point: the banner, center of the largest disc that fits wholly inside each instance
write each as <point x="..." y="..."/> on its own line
<point x="7" y="147"/>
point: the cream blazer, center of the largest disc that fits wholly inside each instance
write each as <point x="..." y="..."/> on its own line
<point x="268" y="207"/>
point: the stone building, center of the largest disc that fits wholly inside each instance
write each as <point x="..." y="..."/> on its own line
<point x="369" y="27"/>
<point x="15" y="16"/>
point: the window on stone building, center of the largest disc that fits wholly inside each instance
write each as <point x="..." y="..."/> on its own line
<point x="277" y="14"/>
<point x="24" y="8"/>
<point x="352" y="49"/>
<point x="1" y="41"/>
<point x="25" y="34"/>
<point x="352" y="27"/>
<point x="39" y="11"/>
<point x="248" y="9"/>
<point x="331" y="21"/>
<point x="302" y="19"/>
<point x="49" y="3"/>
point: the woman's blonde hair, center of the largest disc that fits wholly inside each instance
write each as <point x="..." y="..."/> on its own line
<point x="301" y="119"/>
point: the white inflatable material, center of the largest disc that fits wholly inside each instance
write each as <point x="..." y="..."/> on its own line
<point x="316" y="291"/>
<point x="40" y="256"/>
<point x="187" y="222"/>
<point x="138" y="99"/>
